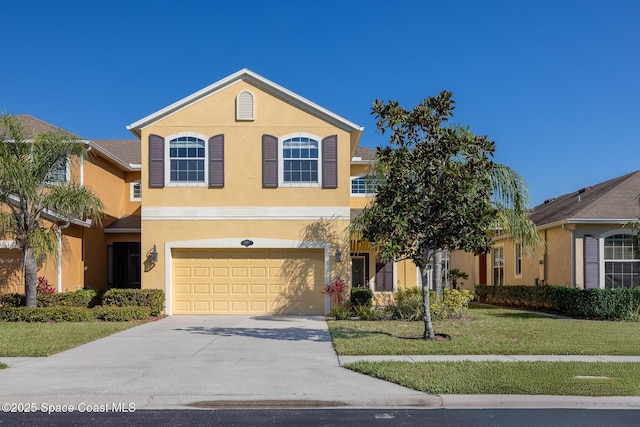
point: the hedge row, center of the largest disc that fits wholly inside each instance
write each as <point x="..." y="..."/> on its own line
<point x="72" y="314"/>
<point x="597" y="304"/>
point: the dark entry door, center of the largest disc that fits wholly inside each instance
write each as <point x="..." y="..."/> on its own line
<point x="126" y="265"/>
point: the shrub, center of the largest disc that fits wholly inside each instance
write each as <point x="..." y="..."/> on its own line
<point x="13" y="300"/>
<point x="408" y="304"/>
<point x="46" y="314"/>
<point x="364" y="312"/>
<point x="121" y="314"/>
<point x="596" y="304"/>
<point x="336" y="290"/>
<point x="341" y="311"/>
<point x="152" y="298"/>
<point x="43" y="287"/>
<point x="361" y="296"/>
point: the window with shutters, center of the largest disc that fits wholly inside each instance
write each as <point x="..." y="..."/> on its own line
<point x="187" y="163"/>
<point x="621" y="262"/>
<point x="244" y="106"/>
<point x="301" y="162"/>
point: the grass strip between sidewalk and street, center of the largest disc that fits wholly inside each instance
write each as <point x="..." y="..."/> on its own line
<point x="532" y="378"/>
<point x="21" y="339"/>
<point x="489" y="330"/>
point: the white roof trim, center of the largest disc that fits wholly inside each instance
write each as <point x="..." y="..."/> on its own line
<point x="126" y="166"/>
<point x="257" y="80"/>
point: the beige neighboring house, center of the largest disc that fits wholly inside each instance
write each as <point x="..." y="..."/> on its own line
<point x="93" y="255"/>
<point x="589" y="242"/>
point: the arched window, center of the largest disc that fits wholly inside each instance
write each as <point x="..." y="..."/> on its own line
<point x="621" y="262"/>
<point x="300" y="160"/>
<point x="244" y="106"/>
<point x="186" y="159"/>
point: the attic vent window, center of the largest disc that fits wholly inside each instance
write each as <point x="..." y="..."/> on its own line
<point x="244" y="106"/>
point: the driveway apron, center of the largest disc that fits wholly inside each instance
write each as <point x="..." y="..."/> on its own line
<point x="207" y="361"/>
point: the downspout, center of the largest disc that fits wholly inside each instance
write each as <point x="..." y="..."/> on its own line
<point x="573" y="253"/>
<point x="60" y="228"/>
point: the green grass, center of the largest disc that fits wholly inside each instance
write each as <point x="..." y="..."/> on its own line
<point x="550" y="378"/>
<point x="3" y="365"/>
<point x="44" y="339"/>
<point x="489" y="330"/>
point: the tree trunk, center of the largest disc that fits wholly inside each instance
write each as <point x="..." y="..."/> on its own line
<point x="428" y="326"/>
<point x="30" y="270"/>
<point x="437" y="273"/>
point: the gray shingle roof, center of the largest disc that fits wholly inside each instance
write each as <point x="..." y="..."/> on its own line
<point x="364" y="153"/>
<point x="128" y="223"/>
<point x="613" y="199"/>
<point x="33" y="126"/>
<point x="127" y="150"/>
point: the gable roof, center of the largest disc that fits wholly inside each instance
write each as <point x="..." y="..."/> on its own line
<point x="33" y="126"/>
<point x="258" y="81"/>
<point x="613" y="201"/>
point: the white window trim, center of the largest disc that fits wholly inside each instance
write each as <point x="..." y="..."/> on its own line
<point x="281" y="182"/>
<point x="358" y="194"/>
<point x="167" y="161"/>
<point x="253" y="107"/>
<point x="132" y="197"/>
<point x="601" y="260"/>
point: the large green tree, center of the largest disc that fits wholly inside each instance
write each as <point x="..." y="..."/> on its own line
<point x="439" y="189"/>
<point x="29" y="192"/>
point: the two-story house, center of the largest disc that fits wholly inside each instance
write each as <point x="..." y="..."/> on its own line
<point x="234" y="200"/>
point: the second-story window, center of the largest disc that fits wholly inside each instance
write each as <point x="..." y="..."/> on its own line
<point x="187" y="159"/>
<point x="363" y="185"/>
<point x="300" y="160"/>
<point x="58" y="173"/>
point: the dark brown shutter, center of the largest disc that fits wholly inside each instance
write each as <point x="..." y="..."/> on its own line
<point x="330" y="162"/>
<point x="156" y="161"/>
<point x="591" y="262"/>
<point x="269" y="161"/>
<point x="216" y="161"/>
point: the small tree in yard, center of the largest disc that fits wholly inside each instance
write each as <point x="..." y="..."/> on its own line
<point x="28" y="192"/>
<point x="439" y="189"/>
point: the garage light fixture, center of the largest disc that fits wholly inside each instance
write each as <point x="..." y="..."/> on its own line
<point x="153" y="254"/>
<point x="338" y="255"/>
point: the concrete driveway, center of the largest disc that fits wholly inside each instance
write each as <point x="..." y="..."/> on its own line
<point x="207" y="361"/>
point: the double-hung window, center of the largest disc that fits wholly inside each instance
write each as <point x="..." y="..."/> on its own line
<point x="621" y="262"/>
<point x="300" y="157"/>
<point x="362" y="185"/>
<point x="187" y="160"/>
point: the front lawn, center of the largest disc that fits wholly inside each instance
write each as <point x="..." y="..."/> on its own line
<point x="489" y="330"/>
<point x="549" y="378"/>
<point x="18" y="339"/>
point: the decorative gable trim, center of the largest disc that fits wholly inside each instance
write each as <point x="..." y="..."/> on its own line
<point x="259" y="82"/>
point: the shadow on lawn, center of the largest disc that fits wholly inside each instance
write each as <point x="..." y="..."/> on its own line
<point x="520" y="315"/>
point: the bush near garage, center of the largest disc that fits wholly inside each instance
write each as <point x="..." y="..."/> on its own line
<point x="408" y="304"/>
<point x="151" y="298"/>
<point x="593" y="304"/>
<point x="79" y="298"/>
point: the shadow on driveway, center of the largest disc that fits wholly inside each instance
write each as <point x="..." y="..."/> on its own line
<point x="280" y="334"/>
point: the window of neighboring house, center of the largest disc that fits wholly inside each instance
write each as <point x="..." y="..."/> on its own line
<point x="135" y="191"/>
<point x="59" y="172"/>
<point x="300" y="157"/>
<point x="187" y="160"/>
<point x="363" y="185"/>
<point x="498" y="266"/>
<point x="621" y="262"/>
<point x="518" y="258"/>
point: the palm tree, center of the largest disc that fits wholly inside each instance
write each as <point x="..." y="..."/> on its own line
<point x="29" y="193"/>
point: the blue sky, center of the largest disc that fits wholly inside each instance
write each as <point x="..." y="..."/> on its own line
<point x="555" y="83"/>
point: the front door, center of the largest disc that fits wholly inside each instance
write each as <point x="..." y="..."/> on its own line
<point x="125" y="265"/>
<point x="358" y="271"/>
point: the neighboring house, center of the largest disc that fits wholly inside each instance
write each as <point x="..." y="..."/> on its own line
<point x="234" y="200"/>
<point x="90" y="251"/>
<point x="588" y="242"/>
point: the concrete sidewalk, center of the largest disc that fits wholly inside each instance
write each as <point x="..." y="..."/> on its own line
<point x="240" y="361"/>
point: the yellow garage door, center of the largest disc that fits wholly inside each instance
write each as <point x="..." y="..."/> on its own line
<point x="247" y="281"/>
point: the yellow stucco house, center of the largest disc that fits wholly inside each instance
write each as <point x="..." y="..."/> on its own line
<point x="589" y="242"/>
<point x="233" y="200"/>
